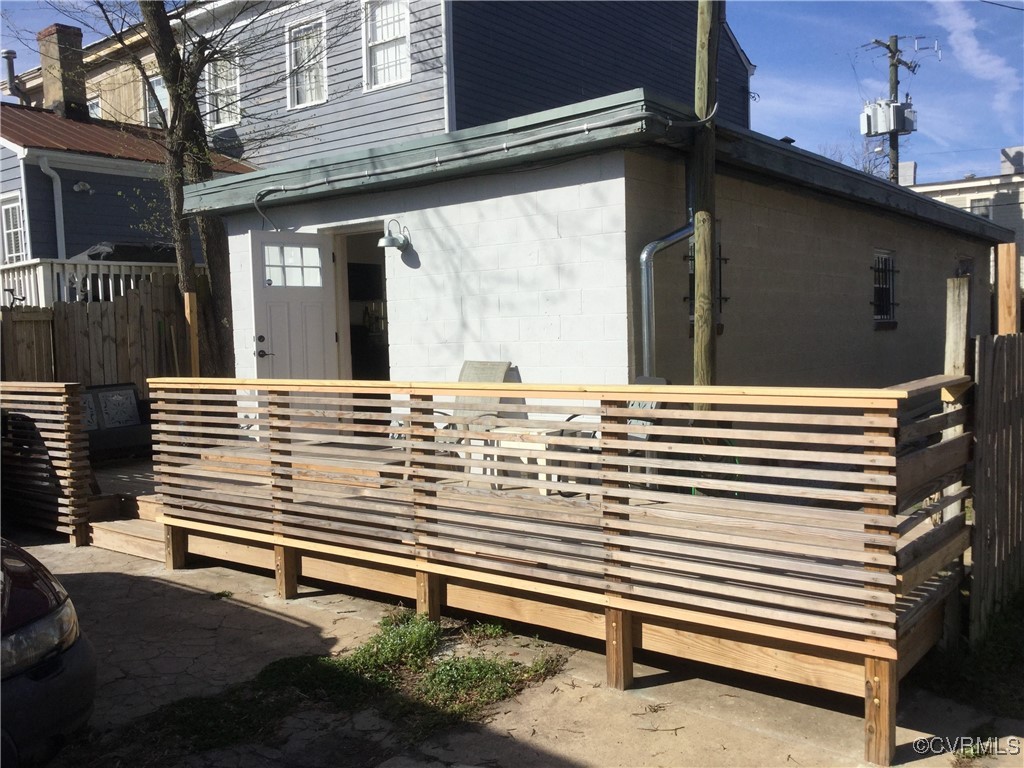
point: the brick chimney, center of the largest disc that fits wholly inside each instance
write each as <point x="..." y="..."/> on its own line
<point x="60" y="58"/>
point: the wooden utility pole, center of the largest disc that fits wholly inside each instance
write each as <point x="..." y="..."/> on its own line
<point x="704" y="97"/>
<point x="895" y="62"/>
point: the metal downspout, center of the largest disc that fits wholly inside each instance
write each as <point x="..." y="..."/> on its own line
<point x="58" y="206"/>
<point x="647" y="290"/>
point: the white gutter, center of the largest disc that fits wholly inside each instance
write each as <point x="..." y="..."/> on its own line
<point x="58" y="207"/>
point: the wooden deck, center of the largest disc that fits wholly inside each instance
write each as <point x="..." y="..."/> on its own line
<point x="785" y="532"/>
<point x="793" y="533"/>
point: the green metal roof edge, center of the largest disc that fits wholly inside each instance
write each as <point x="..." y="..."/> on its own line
<point x="631" y="117"/>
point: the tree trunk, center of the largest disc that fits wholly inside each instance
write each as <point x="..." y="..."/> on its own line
<point x="188" y="161"/>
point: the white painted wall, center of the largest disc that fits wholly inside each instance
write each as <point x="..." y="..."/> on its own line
<point x="526" y="266"/>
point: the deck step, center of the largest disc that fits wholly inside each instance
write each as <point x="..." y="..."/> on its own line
<point x="142" y="538"/>
<point x="147" y="507"/>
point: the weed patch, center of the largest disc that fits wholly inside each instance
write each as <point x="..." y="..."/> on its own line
<point x="396" y="673"/>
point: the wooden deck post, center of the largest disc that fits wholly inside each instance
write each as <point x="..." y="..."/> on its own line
<point x="282" y="476"/>
<point x="428" y="595"/>
<point x="286" y="571"/>
<point x="958" y="301"/>
<point x="429" y="586"/>
<point x="175" y="547"/>
<point x="1007" y="289"/>
<point x="618" y="624"/>
<point x="881" y="677"/>
<point x="619" y="647"/>
<point x="880" y="699"/>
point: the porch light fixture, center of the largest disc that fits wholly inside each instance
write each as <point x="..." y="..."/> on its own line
<point x="399" y="240"/>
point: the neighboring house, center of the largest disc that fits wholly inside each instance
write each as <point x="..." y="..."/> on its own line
<point x="522" y="242"/>
<point x="997" y="198"/>
<point x="68" y="183"/>
<point x="298" y="80"/>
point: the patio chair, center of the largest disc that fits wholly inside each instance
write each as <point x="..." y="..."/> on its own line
<point x="478" y="412"/>
<point x="639" y="436"/>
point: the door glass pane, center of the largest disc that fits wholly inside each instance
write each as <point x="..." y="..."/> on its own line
<point x="292" y="266"/>
<point x="275" y="276"/>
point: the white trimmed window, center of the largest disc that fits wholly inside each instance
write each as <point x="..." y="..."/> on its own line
<point x="153" y="119"/>
<point x="307" y="64"/>
<point x="15" y="240"/>
<point x="981" y="206"/>
<point x="385" y="43"/>
<point x="222" y="93"/>
<point x="93" y="105"/>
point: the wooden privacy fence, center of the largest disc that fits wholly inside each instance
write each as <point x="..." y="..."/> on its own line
<point x="781" y="533"/>
<point x="997" y="553"/>
<point x="44" y="471"/>
<point x="130" y="338"/>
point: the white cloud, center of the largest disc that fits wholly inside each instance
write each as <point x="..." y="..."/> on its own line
<point x="979" y="62"/>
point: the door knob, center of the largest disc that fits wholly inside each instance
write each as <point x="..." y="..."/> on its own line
<point x="264" y="353"/>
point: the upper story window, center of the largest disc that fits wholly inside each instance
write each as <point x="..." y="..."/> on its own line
<point x="307" y="64"/>
<point x="386" y="42"/>
<point x="153" y="107"/>
<point x="884" y="294"/>
<point x="15" y="241"/>
<point x="222" y="92"/>
<point x="982" y="206"/>
<point x="93" y="105"/>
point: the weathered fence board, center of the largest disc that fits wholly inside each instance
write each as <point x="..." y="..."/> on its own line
<point x="998" y="547"/>
<point x="129" y="339"/>
<point x="27" y="343"/>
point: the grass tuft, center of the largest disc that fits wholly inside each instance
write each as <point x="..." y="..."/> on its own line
<point x="395" y="672"/>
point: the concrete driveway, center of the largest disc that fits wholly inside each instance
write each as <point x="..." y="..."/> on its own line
<point x="161" y="636"/>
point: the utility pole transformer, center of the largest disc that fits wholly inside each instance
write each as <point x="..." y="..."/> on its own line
<point x="891" y="117"/>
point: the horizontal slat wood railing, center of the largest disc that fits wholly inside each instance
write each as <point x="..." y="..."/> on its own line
<point x="761" y="534"/>
<point x="45" y="467"/>
<point x="933" y="452"/>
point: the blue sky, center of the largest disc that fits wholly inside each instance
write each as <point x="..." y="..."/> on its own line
<point x="816" y="69"/>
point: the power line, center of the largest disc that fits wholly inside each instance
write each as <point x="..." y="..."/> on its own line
<point x="1003" y="5"/>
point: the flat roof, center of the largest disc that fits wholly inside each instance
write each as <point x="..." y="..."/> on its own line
<point x="632" y="118"/>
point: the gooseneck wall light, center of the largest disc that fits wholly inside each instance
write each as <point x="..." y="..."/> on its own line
<point x="395" y="239"/>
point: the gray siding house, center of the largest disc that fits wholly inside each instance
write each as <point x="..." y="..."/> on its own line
<point x="298" y="80"/>
<point x="409" y="68"/>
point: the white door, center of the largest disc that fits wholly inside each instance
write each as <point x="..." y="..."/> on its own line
<point x="296" y="319"/>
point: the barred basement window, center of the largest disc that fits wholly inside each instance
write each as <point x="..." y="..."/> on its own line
<point x="884" y="298"/>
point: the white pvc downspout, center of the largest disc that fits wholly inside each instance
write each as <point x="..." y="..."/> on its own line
<point x="58" y="207"/>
